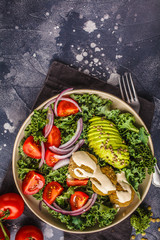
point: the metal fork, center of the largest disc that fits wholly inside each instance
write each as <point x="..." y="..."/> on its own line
<point x="128" y="91"/>
<point x="129" y="95"/>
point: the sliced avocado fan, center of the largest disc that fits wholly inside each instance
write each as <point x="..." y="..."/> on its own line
<point x="105" y="140"/>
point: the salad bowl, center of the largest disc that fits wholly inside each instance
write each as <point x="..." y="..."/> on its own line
<point x="43" y="214"/>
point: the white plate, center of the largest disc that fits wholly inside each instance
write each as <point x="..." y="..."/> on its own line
<point x="33" y="204"/>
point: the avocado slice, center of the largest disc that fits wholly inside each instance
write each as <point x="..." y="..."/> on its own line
<point x="96" y="118"/>
<point x="105" y="140"/>
<point x="105" y="136"/>
<point x="101" y="124"/>
<point x="106" y="132"/>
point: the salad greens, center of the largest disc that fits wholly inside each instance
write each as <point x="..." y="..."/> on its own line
<point x="99" y="213"/>
<point x="38" y="121"/>
<point x="141" y="158"/>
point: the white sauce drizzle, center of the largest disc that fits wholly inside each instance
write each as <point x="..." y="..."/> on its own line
<point x="123" y="196"/>
<point x="82" y="158"/>
<point x="104" y="184"/>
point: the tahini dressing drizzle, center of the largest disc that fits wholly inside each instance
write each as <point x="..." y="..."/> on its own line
<point x="104" y="184"/>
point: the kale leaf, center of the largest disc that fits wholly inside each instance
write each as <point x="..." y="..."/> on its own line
<point x="98" y="214"/>
<point x="38" y="121"/>
<point x="125" y="121"/>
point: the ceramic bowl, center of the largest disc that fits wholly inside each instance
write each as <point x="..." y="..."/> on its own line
<point x="33" y="204"/>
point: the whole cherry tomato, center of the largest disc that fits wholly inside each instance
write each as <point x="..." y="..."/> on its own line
<point x="11" y="206"/>
<point x="54" y="137"/>
<point x="32" y="183"/>
<point x="78" y="200"/>
<point x="50" y="159"/>
<point x="31" y="148"/>
<point x="51" y="191"/>
<point x="76" y="182"/>
<point x="29" y="232"/>
<point x="66" y="108"/>
<point x="4" y="233"/>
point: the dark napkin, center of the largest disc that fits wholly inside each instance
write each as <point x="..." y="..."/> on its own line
<point x="60" y="77"/>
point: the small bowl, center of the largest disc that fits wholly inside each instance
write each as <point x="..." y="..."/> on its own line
<point x="33" y="204"/>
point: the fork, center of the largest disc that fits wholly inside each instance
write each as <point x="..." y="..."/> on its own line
<point x="128" y="91"/>
<point x="129" y="95"/>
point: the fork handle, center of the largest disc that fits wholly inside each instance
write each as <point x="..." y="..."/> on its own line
<point x="156" y="177"/>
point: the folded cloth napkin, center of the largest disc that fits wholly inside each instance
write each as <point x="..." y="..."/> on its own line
<point x="60" y="77"/>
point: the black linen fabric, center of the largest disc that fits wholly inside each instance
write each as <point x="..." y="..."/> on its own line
<point x="60" y="77"/>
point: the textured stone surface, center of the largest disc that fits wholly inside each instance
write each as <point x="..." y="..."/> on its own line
<point x="99" y="38"/>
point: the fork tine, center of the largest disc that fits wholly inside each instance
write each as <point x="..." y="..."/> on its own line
<point x="121" y="90"/>
<point x="128" y="100"/>
<point x="128" y="92"/>
<point x="134" y="91"/>
<point x="128" y="85"/>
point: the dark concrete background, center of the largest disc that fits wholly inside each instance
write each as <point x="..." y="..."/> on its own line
<point x="101" y="38"/>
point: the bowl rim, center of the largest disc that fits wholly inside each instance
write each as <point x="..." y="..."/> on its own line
<point x="14" y="160"/>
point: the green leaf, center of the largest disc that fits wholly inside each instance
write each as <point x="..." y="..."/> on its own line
<point x="38" y="121"/>
<point x="143" y="135"/>
<point x="125" y="121"/>
<point x="62" y="200"/>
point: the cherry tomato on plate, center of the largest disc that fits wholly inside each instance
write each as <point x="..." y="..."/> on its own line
<point x="78" y="200"/>
<point x="31" y="148"/>
<point x="50" y="159"/>
<point x="32" y="183"/>
<point x="76" y="182"/>
<point x="66" y="108"/>
<point x="51" y="191"/>
<point x="11" y="203"/>
<point x="29" y="232"/>
<point x="54" y="137"/>
<point x="3" y="234"/>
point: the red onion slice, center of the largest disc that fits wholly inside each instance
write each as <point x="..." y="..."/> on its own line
<point x="94" y="197"/>
<point x="58" y="98"/>
<point x="78" y="145"/>
<point x="61" y="163"/>
<point x="65" y="151"/>
<point x="49" y="125"/>
<point x="49" y="103"/>
<point x="77" y="212"/>
<point x="72" y="101"/>
<point x="65" y="99"/>
<point x="60" y="151"/>
<point x="56" y="206"/>
<point x="43" y="154"/>
<point x="76" y="135"/>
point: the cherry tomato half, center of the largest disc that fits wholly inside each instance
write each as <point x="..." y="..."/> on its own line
<point x="31" y="148"/>
<point x="12" y="202"/>
<point x="54" y="137"/>
<point x="32" y="183"/>
<point x="51" y="191"/>
<point x="76" y="182"/>
<point x="2" y="236"/>
<point x="29" y="232"/>
<point x="78" y="200"/>
<point x="50" y="159"/>
<point x="66" y="108"/>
